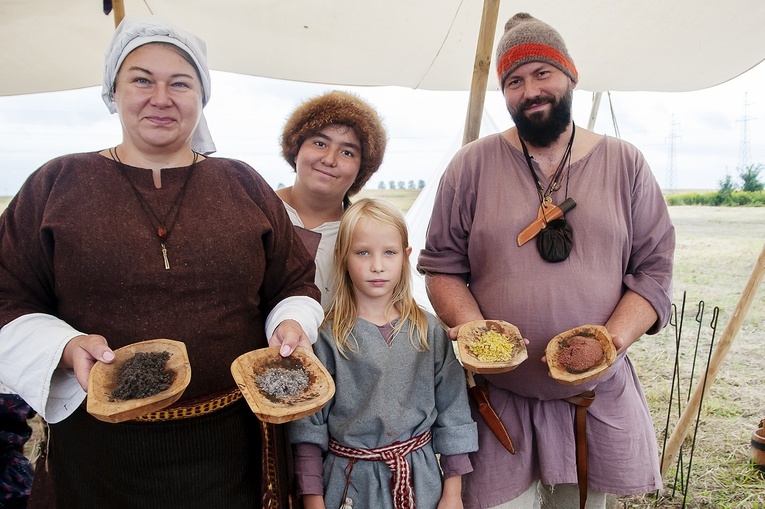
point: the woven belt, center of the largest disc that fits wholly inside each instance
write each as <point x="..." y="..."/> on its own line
<point x="199" y="409"/>
<point x="394" y="456"/>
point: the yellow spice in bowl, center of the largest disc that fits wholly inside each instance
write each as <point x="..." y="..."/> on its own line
<point x="492" y="346"/>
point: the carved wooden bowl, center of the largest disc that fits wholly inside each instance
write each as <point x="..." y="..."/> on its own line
<point x="276" y="410"/>
<point x="103" y="380"/>
<point x="473" y="331"/>
<point x="560" y="342"/>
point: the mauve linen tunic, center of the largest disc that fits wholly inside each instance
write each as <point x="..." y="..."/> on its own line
<point x="386" y="394"/>
<point x="623" y="239"/>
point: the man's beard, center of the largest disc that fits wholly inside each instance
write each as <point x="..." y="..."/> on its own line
<point x="539" y="131"/>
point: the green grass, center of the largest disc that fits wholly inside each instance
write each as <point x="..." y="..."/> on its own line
<point x="718" y="198"/>
<point x="716" y="251"/>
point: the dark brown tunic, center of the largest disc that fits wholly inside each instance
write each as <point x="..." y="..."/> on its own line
<point x="76" y="243"/>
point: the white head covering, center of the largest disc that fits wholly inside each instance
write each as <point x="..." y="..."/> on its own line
<point x="135" y="31"/>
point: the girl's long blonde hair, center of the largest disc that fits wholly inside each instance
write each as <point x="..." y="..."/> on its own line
<point x="343" y="310"/>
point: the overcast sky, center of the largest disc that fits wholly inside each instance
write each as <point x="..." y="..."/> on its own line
<point x="704" y="129"/>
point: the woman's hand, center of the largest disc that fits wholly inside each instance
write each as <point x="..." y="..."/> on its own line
<point x="82" y="352"/>
<point x="289" y="334"/>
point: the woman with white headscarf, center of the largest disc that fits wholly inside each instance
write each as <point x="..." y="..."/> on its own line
<point x="152" y="239"/>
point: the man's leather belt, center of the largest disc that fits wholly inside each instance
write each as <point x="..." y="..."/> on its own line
<point x="581" y="402"/>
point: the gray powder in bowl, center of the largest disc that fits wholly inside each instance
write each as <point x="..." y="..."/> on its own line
<point x="281" y="383"/>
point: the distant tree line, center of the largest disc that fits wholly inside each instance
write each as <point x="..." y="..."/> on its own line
<point x="750" y="191"/>
<point x="401" y="185"/>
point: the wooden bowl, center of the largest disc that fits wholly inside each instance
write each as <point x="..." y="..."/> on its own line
<point x="273" y="409"/>
<point x="472" y="331"/>
<point x="558" y="343"/>
<point x="757" y="448"/>
<point x="102" y="381"/>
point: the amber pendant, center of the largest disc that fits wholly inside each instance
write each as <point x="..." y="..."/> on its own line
<point x="162" y="232"/>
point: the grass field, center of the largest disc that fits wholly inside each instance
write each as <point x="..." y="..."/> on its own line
<point x="716" y="251"/>
<point x="717" y="248"/>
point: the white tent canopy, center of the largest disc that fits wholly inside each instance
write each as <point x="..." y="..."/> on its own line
<point x="651" y="45"/>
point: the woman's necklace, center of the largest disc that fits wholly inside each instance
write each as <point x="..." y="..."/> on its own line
<point x="163" y="227"/>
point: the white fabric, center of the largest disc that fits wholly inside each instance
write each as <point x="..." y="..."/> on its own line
<point x="30" y="350"/>
<point x="529" y="499"/>
<point x="324" y="254"/>
<point x="304" y="310"/>
<point x="135" y="31"/>
<point x="652" y="45"/>
<point x="561" y="496"/>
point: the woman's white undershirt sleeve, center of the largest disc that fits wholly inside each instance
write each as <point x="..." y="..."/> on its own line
<point x="31" y="347"/>
<point x="30" y="350"/>
<point x="304" y="310"/>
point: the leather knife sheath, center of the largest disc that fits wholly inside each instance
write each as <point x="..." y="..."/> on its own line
<point x="547" y="212"/>
<point x="480" y="395"/>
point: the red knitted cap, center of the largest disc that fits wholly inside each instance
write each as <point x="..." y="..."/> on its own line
<point x="526" y="39"/>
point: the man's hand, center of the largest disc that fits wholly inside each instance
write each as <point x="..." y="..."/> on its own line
<point x="289" y="334"/>
<point x="454" y="331"/>
<point x="82" y="352"/>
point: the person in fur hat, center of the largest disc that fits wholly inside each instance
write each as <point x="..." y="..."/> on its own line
<point x="335" y="142"/>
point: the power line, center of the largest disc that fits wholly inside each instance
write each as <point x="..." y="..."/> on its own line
<point x="672" y="156"/>
<point x="745" y="154"/>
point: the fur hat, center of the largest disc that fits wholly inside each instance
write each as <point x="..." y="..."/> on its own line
<point x="343" y="108"/>
<point x="526" y="39"/>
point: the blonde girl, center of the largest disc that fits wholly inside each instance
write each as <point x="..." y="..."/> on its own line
<point x="400" y="392"/>
<point x="344" y="310"/>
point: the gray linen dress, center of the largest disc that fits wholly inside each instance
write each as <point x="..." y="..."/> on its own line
<point x="386" y="394"/>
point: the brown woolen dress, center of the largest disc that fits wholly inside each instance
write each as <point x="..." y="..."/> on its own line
<point x="75" y="243"/>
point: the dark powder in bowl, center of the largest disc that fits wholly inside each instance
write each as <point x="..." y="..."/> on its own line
<point x="580" y="354"/>
<point x="143" y="375"/>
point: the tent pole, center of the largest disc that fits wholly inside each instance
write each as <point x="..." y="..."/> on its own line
<point x="721" y="350"/>
<point x="594" y="111"/>
<point x="481" y="70"/>
<point x="118" y="8"/>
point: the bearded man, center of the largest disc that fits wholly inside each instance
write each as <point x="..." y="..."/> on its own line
<point x="607" y="261"/>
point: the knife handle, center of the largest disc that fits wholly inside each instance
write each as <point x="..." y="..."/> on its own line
<point x="567" y="205"/>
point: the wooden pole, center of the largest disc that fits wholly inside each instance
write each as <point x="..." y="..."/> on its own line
<point x="594" y="110"/>
<point x="481" y="70"/>
<point x="721" y="350"/>
<point x="118" y="8"/>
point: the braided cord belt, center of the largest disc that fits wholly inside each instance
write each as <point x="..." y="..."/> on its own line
<point x="394" y="456"/>
<point x="197" y="410"/>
